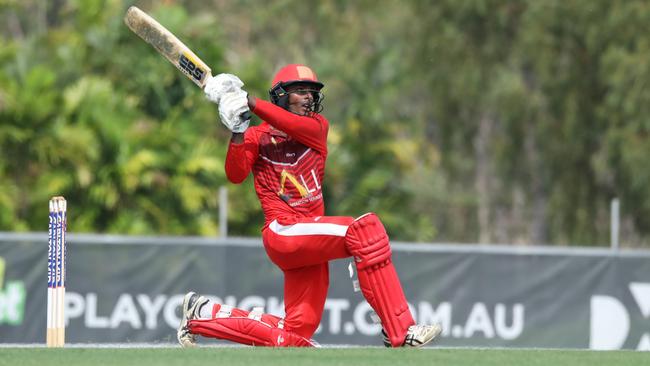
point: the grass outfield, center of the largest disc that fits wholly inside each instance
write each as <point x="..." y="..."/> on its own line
<point x="329" y="356"/>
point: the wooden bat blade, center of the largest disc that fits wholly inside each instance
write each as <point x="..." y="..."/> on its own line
<point x="168" y="45"/>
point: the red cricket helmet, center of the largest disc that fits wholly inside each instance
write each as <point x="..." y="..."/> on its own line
<point x="294" y="74"/>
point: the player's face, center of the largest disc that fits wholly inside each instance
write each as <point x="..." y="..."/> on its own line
<point x="301" y="99"/>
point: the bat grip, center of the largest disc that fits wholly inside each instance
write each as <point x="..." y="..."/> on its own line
<point x="246" y="115"/>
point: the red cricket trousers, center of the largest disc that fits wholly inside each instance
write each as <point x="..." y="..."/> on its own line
<point x="302" y="248"/>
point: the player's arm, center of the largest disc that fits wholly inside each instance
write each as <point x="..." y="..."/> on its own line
<point x="234" y="103"/>
<point x="225" y="90"/>
<point x="309" y="130"/>
<point x="242" y="152"/>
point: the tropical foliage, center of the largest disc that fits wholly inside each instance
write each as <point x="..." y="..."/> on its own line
<point x="463" y="121"/>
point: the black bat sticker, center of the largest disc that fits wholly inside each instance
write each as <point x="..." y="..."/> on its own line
<point x="188" y="66"/>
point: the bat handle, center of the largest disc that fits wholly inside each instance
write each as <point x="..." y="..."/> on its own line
<point x="246" y="115"/>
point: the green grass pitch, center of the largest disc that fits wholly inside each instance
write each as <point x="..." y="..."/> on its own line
<point x="326" y="356"/>
<point x="250" y="356"/>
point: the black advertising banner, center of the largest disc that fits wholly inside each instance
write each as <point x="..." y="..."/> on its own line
<point x="128" y="289"/>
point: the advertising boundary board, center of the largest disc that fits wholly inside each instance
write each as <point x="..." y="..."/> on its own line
<point x="128" y="288"/>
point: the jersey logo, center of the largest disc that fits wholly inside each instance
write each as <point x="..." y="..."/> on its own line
<point x="283" y="180"/>
<point x="300" y="184"/>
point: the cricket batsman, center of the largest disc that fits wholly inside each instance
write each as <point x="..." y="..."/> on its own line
<point x="286" y="154"/>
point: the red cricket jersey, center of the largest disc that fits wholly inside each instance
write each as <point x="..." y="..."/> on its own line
<point x="286" y="154"/>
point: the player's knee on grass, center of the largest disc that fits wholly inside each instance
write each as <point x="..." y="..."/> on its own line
<point x="304" y="323"/>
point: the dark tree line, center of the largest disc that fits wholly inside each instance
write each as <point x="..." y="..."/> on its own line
<point x="459" y="121"/>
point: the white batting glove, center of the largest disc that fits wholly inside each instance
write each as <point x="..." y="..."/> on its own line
<point x="218" y="85"/>
<point x="234" y="111"/>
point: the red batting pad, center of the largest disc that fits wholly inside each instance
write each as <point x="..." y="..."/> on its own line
<point x="240" y="326"/>
<point x="368" y="242"/>
<point x="247" y="331"/>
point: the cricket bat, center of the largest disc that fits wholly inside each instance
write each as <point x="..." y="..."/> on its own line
<point x="168" y="45"/>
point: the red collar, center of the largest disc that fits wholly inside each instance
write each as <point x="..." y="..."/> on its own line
<point x="272" y="130"/>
